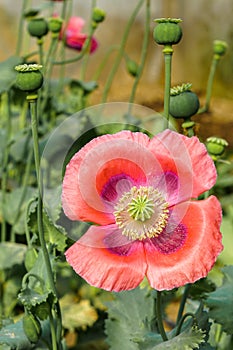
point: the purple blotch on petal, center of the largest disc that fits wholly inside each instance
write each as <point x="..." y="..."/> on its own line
<point x="170" y="242"/>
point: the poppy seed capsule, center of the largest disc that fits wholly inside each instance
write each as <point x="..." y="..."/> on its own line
<point x="167" y="31"/>
<point x="216" y="145"/>
<point x="29" y="77"/>
<point x="183" y="102"/>
<point x="38" y="27"/>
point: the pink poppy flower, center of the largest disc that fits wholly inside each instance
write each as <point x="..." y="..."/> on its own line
<point x="140" y="192"/>
<point x="74" y="37"/>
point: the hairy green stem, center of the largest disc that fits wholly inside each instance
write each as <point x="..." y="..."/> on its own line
<point x="121" y="51"/>
<point x="159" y="316"/>
<point x="182" y="302"/>
<point x="168" y="51"/>
<point x="20" y="29"/>
<point x="209" y="85"/>
<point x="48" y="71"/>
<point x="41" y="51"/>
<point x="86" y="57"/>
<point x="7" y="114"/>
<point x="32" y="99"/>
<point x="143" y="52"/>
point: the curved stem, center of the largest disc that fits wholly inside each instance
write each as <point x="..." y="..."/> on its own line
<point x="168" y="51"/>
<point x="182" y="303"/>
<point x="143" y="52"/>
<point x="121" y="51"/>
<point x="180" y="324"/>
<point x="159" y="316"/>
<point x="209" y="85"/>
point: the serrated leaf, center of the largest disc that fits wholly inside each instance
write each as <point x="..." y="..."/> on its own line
<point x="54" y="234"/>
<point x="129" y="316"/>
<point x="13" y="335"/>
<point x="11" y="254"/>
<point x="8" y="73"/>
<point x="77" y="314"/>
<point x="220" y="302"/>
<point x="187" y="340"/>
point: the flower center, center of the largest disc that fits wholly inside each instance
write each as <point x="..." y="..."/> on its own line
<point x="141" y="213"/>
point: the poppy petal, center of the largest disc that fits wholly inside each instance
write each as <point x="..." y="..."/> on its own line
<point x="102" y="262"/>
<point x="189" y="258"/>
<point x="188" y="158"/>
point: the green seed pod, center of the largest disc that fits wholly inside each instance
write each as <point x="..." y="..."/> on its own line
<point x="132" y="67"/>
<point x="55" y="24"/>
<point x="167" y="31"/>
<point x="216" y="145"/>
<point x="32" y="328"/>
<point x="220" y="47"/>
<point x="98" y="15"/>
<point x="38" y="27"/>
<point x="30" y="258"/>
<point x="29" y="77"/>
<point x="183" y="102"/>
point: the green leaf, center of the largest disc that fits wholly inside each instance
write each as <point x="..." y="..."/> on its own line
<point x="187" y="340"/>
<point x="129" y="316"/>
<point x="8" y="73"/>
<point x="54" y="234"/>
<point x="220" y="302"/>
<point x="13" y="336"/>
<point x="15" y="206"/>
<point x="11" y="254"/>
<point x="77" y="314"/>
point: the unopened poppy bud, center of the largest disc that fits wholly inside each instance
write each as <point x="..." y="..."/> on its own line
<point x="167" y="31"/>
<point x="38" y="27"/>
<point x="216" y="145"/>
<point x="98" y="15"/>
<point x="32" y="328"/>
<point x="183" y="102"/>
<point x="132" y="67"/>
<point x="220" y="47"/>
<point x="55" y="24"/>
<point x="29" y="77"/>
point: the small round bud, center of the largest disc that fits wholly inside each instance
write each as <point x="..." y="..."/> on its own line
<point x="183" y="102"/>
<point x="55" y="24"/>
<point x="216" y="145"/>
<point x="132" y="67"/>
<point x="220" y="47"/>
<point x="98" y="15"/>
<point x="29" y="77"/>
<point x="38" y="27"/>
<point x="30" y="258"/>
<point x="167" y="31"/>
<point x="32" y="328"/>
